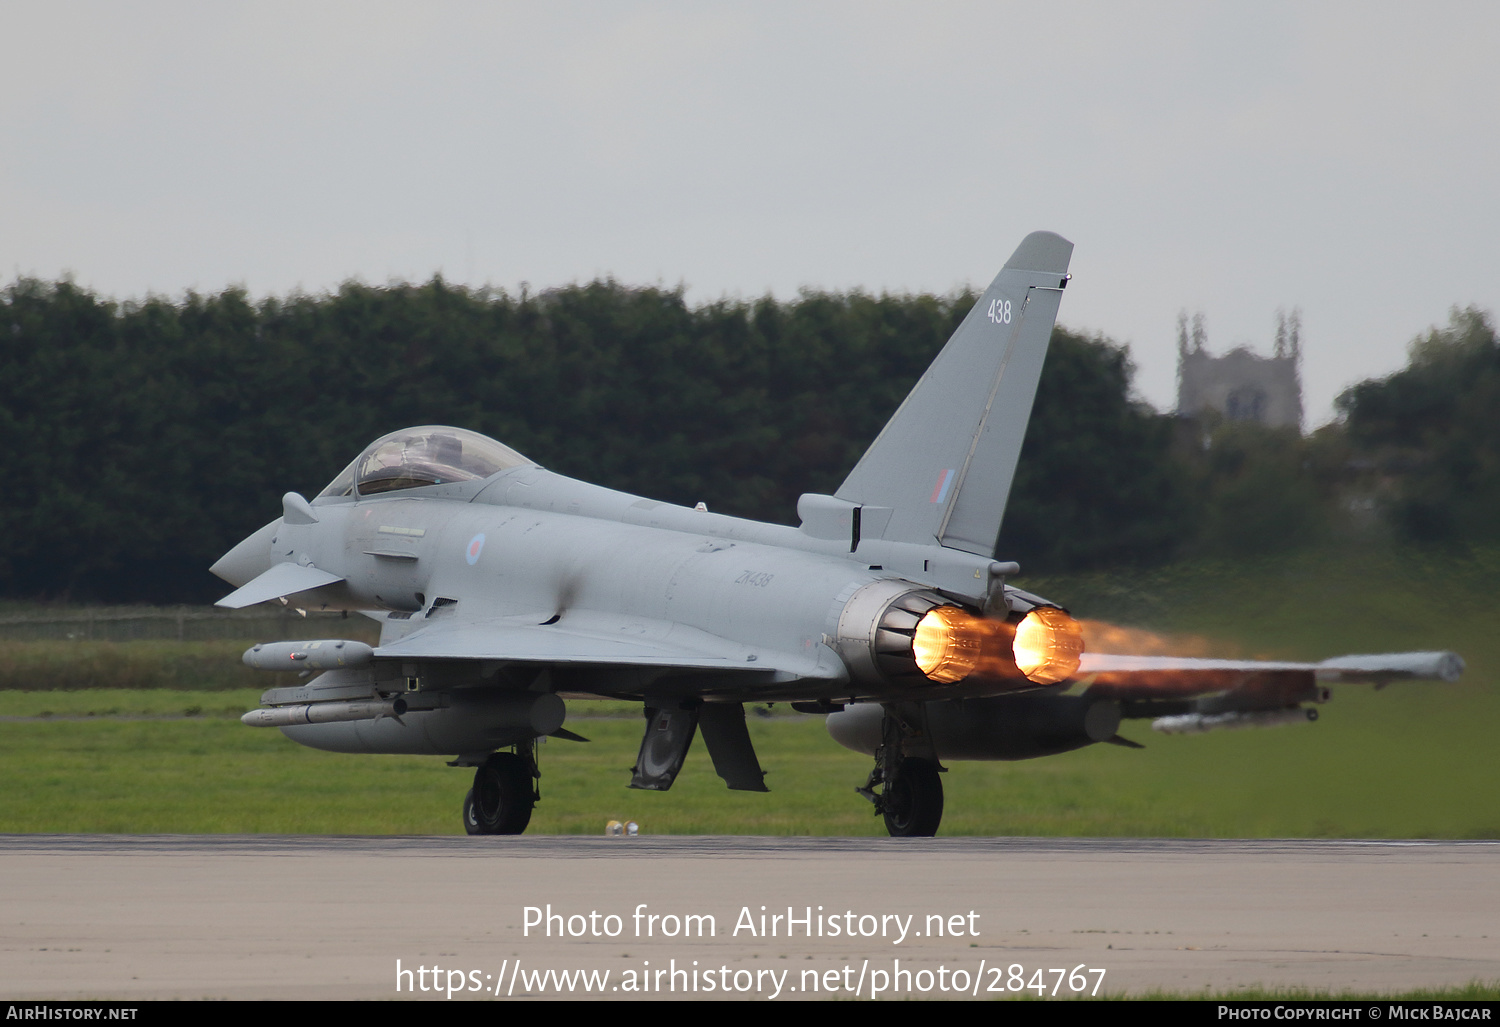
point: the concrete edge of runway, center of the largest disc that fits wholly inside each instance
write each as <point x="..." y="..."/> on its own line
<point x="715" y="846"/>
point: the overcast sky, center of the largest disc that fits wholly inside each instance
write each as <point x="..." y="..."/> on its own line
<point x="1231" y="158"/>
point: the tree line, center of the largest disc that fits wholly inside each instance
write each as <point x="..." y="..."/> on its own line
<point x="147" y="437"/>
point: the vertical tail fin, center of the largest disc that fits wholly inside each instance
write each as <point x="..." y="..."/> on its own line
<point x="943" y="464"/>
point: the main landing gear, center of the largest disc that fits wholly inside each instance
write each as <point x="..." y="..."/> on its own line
<point x="505" y="790"/>
<point x="911" y="799"/>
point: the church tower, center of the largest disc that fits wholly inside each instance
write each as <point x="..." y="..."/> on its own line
<point x="1241" y="385"/>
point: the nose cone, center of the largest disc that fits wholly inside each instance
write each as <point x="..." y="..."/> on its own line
<point x="250" y="559"/>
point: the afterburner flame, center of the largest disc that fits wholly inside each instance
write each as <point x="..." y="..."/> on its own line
<point x="1103" y="637"/>
<point x="950" y="645"/>
<point x="1049" y="645"/>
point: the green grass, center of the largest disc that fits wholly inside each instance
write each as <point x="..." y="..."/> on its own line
<point x="1410" y="761"/>
<point x="134" y="702"/>
<point x="65" y="665"/>
<point x="1380" y="766"/>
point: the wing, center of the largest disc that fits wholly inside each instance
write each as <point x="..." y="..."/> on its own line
<point x="582" y="637"/>
<point x="1185" y="694"/>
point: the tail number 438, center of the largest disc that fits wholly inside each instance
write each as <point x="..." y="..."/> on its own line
<point x="1000" y="312"/>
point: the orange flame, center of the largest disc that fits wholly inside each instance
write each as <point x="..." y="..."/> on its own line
<point x="950" y="645"/>
<point x="1102" y="637"/>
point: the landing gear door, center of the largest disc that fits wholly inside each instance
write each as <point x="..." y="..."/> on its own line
<point x="729" y="746"/>
<point x="669" y="732"/>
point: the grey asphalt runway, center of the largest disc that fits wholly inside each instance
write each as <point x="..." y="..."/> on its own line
<point x="162" y="917"/>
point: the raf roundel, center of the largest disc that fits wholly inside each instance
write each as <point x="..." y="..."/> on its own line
<point x="476" y="546"/>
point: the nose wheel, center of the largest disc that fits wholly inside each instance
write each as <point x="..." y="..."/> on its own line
<point x="503" y="795"/>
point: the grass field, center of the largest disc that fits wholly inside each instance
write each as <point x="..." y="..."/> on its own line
<point x="66" y="665"/>
<point x="1414" y="760"/>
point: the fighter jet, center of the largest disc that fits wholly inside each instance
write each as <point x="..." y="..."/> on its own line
<point x="503" y="588"/>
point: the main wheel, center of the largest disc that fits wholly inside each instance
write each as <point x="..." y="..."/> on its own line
<point x="914" y="799"/>
<point x="501" y="800"/>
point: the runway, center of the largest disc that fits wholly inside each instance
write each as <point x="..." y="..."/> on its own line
<point x="301" y="917"/>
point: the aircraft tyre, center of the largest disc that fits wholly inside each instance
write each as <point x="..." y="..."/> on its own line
<point x="502" y="798"/>
<point x="913" y="800"/>
<point x="471" y="819"/>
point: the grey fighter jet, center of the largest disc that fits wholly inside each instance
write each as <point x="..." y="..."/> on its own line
<point x="502" y="588"/>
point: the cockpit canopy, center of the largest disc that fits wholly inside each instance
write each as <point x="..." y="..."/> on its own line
<point x="417" y="457"/>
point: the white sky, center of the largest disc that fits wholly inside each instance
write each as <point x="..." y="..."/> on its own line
<point x="1228" y="157"/>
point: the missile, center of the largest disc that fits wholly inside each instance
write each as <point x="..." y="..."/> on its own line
<point x="1197" y="723"/>
<point x="324" y="712"/>
<point x="325" y="654"/>
<point x="1384" y="668"/>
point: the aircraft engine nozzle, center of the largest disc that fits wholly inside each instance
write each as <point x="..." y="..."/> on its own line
<point x="1048" y="646"/>
<point x="324" y="713"/>
<point x="1007" y="727"/>
<point x="951" y="644"/>
<point x="327" y="654"/>
<point x="1197" y="723"/>
<point x="889" y="631"/>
